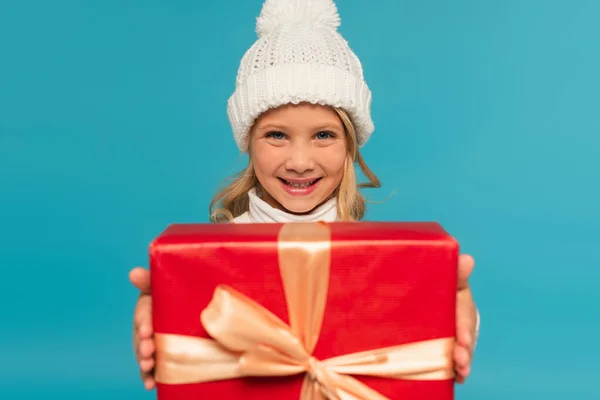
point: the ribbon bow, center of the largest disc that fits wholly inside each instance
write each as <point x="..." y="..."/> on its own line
<point x="251" y="341"/>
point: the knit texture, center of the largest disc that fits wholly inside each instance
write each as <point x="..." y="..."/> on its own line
<point x="299" y="57"/>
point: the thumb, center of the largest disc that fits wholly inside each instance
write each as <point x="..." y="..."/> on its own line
<point x="140" y="278"/>
<point x="465" y="267"/>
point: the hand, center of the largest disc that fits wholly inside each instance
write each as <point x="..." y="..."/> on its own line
<point x="466" y="320"/>
<point x="143" y="334"/>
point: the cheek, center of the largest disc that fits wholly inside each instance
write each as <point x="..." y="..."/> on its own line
<point x="264" y="160"/>
<point x="333" y="163"/>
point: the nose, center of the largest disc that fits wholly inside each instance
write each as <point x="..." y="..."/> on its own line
<point x="300" y="158"/>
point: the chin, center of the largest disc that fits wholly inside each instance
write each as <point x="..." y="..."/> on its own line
<point x="299" y="206"/>
<point x="296" y="208"/>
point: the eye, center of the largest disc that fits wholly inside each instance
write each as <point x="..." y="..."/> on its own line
<point x="276" y="135"/>
<point x="324" y="135"/>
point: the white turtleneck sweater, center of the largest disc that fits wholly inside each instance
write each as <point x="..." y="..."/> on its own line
<point x="261" y="212"/>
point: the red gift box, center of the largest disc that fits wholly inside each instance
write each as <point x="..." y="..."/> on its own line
<point x="384" y="285"/>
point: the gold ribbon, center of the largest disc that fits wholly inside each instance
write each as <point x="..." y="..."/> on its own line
<point x="251" y="341"/>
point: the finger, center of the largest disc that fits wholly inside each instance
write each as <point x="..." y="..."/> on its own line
<point x="145" y="331"/>
<point x="146" y="365"/>
<point x="463" y="372"/>
<point x="464" y="335"/>
<point x="465" y="267"/>
<point x="462" y="365"/>
<point x="143" y="316"/>
<point x="466" y="318"/>
<point x="149" y="383"/>
<point x="147" y="348"/>
<point x="137" y="341"/>
<point x="140" y="278"/>
<point x="462" y="358"/>
<point x="148" y="380"/>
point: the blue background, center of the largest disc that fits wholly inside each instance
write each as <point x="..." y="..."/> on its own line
<point x="113" y="125"/>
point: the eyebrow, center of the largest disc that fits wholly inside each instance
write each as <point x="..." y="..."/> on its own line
<point x="271" y="126"/>
<point x="330" y="128"/>
<point x="319" y="128"/>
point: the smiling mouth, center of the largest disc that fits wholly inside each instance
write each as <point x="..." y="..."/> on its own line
<point x="300" y="185"/>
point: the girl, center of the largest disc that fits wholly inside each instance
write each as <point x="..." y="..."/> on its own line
<point x="301" y="110"/>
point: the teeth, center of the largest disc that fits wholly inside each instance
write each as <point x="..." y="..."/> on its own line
<point x="299" y="185"/>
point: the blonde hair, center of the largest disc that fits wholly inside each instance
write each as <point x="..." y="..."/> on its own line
<point x="351" y="205"/>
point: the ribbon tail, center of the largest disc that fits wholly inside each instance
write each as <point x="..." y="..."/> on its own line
<point x="334" y="386"/>
<point x="311" y="390"/>
<point x="425" y="360"/>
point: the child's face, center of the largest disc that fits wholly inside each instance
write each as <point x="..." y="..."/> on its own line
<point x="298" y="153"/>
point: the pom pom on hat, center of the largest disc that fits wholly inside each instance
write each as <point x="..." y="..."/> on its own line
<point x="279" y="12"/>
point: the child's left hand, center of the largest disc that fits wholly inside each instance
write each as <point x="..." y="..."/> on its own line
<point x="466" y="320"/>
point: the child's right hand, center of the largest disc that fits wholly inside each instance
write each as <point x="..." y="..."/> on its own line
<point x="143" y="334"/>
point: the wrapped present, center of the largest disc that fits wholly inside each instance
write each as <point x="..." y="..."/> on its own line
<point x="304" y="311"/>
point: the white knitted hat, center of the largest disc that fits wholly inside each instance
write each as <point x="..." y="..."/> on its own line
<point x="299" y="57"/>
